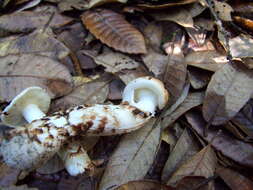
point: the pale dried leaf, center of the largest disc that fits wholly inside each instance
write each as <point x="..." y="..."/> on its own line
<point x="166" y="5"/>
<point x="185" y="148"/>
<point x="192" y="100"/>
<point x="84" y="93"/>
<point x="114" y="61"/>
<point x="20" y="72"/>
<point x="228" y="91"/>
<point x="133" y="156"/>
<point x="207" y="60"/>
<point x="201" y="164"/>
<point x="180" y="16"/>
<point x="223" y="10"/>
<point x="36" y="42"/>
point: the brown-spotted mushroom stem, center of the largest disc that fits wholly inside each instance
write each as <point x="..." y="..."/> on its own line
<point x="27" y="147"/>
<point x="31" y="104"/>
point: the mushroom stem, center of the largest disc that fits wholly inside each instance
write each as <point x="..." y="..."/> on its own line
<point x="32" y="112"/>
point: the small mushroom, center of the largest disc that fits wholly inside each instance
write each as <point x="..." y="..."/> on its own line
<point x="29" y="146"/>
<point x="31" y="104"/>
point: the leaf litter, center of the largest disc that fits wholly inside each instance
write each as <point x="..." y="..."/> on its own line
<point x="86" y="52"/>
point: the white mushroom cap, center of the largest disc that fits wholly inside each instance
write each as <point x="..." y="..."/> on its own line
<point x="148" y="88"/>
<point x="36" y="97"/>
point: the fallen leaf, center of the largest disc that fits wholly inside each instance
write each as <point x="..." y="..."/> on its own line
<point x="201" y="164"/>
<point x="20" y="72"/>
<point x="180" y="16"/>
<point x="198" y="78"/>
<point x="191" y="182"/>
<point x="37" y="42"/>
<point x="132" y="157"/>
<point x="228" y="91"/>
<point x="230" y="147"/>
<point x="95" y="3"/>
<point x="191" y="101"/>
<point x="185" y="148"/>
<point x="129" y="75"/>
<point x="223" y="10"/>
<point x="84" y="93"/>
<point x="27" y="21"/>
<point x="144" y="185"/>
<point x="234" y="179"/>
<point x="28" y="5"/>
<point x="245" y="23"/>
<point x="244" y="119"/>
<point x="113" y="30"/>
<point x="116" y="88"/>
<point x="114" y="61"/>
<point x="207" y="60"/>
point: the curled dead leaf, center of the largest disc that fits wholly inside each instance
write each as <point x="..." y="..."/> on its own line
<point x="113" y="30"/>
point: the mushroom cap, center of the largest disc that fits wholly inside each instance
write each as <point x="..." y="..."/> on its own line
<point x="149" y="83"/>
<point x="12" y="114"/>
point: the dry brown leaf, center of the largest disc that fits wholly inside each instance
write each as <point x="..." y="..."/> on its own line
<point x="191" y="182"/>
<point x="245" y="23"/>
<point x="228" y="91"/>
<point x="95" y="3"/>
<point x="144" y="185"/>
<point x="185" y="148"/>
<point x="113" y="30"/>
<point x="114" y="61"/>
<point x="20" y="72"/>
<point x="133" y="156"/>
<point x="174" y="76"/>
<point x="201" y="164"/>
<point x="180" y="16"/>
<point x="84" y="93"/>
<point x="234" y="179"/>
<point x="244" y="119"/>
<point x="230" y="147"/>
<point x="27" y="21"/>
<point x="129" y="75"/>
<point x="191" y="101"/>
<point x="207" y="60"/>
<point x="37" y="42"/>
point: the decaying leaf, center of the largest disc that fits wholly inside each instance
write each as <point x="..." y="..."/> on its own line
<point x="143" y="185"/>
<point x="198" y="78"/>
<point x="244" y="119"/>
<point x="27" y="21"/>
<point x="207" y="60"/>
<point x="223" y="10"/>
<point x="20" y="72"/>
<point x="93" y="92"/>
<point x="192" y="182"/>
<point x="8" y="175"/>
<point x="133" y="156"/>
<point x="229" y="146"/>
<point x="234" y="180"/>
<point x="37" y="42"/>
<point x="201" y="164"/>
<point x="228" y="91"/>
<point x="53" y="165"/>
<point x="191" y="101"/>
<point x="185" y="148"/>
<point x="114" y="61"/>
<point x="113" y="30"/>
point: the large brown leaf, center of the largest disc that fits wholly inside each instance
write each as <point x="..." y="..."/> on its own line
<point x="228" y="91"/>
<point x="229" y="176"/>
<point x="234" y="149"/>
<point x="133" y="156"/>
<point x="113" y="30"/>
<point x="20" y="72"/>
<point x="201" y="164"/>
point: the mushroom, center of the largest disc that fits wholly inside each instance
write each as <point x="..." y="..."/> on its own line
<point x="29" y="146"/>
<point x="32" y="104"/>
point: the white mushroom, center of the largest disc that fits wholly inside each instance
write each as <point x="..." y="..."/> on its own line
<point x="29" y="105"/>
<point x="27" y="147"/>
<point x="32" y="104"/>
